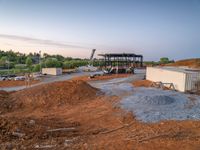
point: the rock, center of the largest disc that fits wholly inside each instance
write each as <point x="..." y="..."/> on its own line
<point x="17" y="134"/>
<point x="44" y="146"/>
<point x="32" y="122"/>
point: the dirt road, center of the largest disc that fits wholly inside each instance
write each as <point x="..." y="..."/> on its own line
<point x="44" y="80"/>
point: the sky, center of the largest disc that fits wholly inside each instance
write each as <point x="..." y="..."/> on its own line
<point x="153" y="28"/>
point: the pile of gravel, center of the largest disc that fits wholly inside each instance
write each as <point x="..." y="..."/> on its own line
<point x="152" y="105"/>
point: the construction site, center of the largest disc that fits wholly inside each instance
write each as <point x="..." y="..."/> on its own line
<point x="123" y="106"/>
<point x="99" y="74"/>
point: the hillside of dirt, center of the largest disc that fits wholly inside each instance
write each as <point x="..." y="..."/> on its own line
<point x="192" y="63"/>
<point x="50" y="95"/>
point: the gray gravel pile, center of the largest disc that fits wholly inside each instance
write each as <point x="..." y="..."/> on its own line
<point x="152" y="105"/>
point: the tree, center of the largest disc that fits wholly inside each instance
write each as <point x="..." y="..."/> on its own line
<point x="58" y="57"/>
<point x="52" y="62"/>
<point x="164" y="60"/>
<point x="3" y="61"/>
<point x="45" y="55"/>
<point x="68" y="65"/>
<point x="29" y="62"/>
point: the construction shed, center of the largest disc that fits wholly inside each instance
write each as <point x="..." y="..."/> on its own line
<point x="121" y="62"/>
<point x="52" y="71"/>
<point x="183" y="79"/>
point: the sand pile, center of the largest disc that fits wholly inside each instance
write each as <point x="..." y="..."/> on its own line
<point x="53" y="95"/>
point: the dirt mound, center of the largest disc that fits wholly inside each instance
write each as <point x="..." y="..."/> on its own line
<point x="142" y="83"/>
<point x="192" y="63"/>
<point x="53" y="95"/>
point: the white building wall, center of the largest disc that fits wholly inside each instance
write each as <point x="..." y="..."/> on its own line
<point x="167" y="76"/>
<point x="58" y="71"/>
<point x="52" y="71"/>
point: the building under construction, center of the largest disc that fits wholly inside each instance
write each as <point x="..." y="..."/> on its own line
<point x="121" y="62"/>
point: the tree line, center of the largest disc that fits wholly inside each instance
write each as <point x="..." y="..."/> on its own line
<point x="32" y="62"/>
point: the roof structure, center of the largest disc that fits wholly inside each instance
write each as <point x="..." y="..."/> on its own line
<point x="120" y="55"/>
<point x="182" y="69"/>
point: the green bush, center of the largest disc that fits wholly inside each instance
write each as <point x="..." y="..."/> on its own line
<point x="70" y="64"/>
<point x="164" y="60"/>
<point x="29" y="62"/>
<point x="20" y="66"/>
<point x="36" y="68"/>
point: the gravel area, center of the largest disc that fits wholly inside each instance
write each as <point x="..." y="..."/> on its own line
<point x="151" y="104"/>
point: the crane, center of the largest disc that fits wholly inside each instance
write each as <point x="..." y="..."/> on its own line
<point x="91" y="57"/>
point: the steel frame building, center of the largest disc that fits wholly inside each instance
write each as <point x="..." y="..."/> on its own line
<point x="122" y="60"/>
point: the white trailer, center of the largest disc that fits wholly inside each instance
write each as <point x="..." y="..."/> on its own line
<point x="52" y="71"/>
<point x="183" y="79"/>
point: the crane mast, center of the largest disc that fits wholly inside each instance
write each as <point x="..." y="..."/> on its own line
<point x="91" y="57"/>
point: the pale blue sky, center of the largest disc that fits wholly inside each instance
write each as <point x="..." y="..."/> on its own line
<point x="154" y="28"/>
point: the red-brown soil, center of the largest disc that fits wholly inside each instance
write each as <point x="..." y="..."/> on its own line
<point x="146" y="83"/>
<point x="192" y="63"/>
<point x="15" y="83"/>
<point x="142" y="83"/>
<point x="93" y="121"/>
<point x="51" y="95"/>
